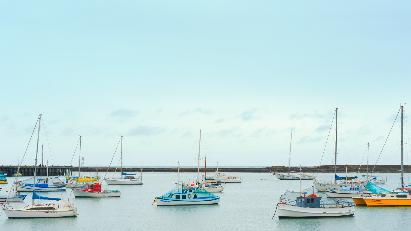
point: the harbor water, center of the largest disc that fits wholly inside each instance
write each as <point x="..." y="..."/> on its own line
<point x="246" y="206"/>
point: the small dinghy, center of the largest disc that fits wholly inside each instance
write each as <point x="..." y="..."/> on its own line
<point x="94" y="190"/>
<point x="305" y="206"/>
<point x="184" y="195"/>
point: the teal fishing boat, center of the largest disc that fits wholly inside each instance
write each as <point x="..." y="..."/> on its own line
<point x="184" y="195"/>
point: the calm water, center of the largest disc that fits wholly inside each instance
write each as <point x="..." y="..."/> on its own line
<point x="246" y="206"/>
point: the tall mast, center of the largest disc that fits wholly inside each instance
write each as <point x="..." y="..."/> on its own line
<point x="121" y="155"/>
<point x="289" y="154"/>
<point x="198" y="157"/>
<point x="42" y="156"/>
<point x="205" y="168"/>
<point x="79" y="159"/>
<point x="402" y="146"/>
<point x="368" y="154"/>
<point x="37" y="151"/>
<point x="336" y="144"/>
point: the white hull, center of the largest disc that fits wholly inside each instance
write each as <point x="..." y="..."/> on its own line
<point x="41" y="189"/>
<point x="217" y="189"/>
<point x="78" y="193"/>
<point x="124" y="182"/>
<point x="289" y="211"/>
<point x="341" y="195"/>
<point x="158" y="202"/>
<point x="40" y="213"/>
<point x="323" y="187"/>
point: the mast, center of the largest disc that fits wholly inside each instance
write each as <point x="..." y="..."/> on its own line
<point x="205" y="168"/>
<point x="402" y="146"/>
<point x="121" y="155"/>
<point x="35" y="160"/>
<point x="368" y="154"/>
<point x="336" y="144"/>
<point x="79" y="159"/>
<point x="42" y="156"/>
<point x="289" y="154"/>
<point x="198" y="158"/>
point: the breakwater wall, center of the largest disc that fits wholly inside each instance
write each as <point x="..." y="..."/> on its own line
<point x="67" y="170"/>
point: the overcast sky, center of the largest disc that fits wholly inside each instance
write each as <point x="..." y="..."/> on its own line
<point x="245" y="72"/>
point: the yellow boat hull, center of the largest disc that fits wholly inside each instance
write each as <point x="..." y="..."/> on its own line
<point x="381" y="202"/>
<point x="359" y="201"/>
<point x="3" y="181"/>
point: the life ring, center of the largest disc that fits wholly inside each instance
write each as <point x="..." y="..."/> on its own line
<point x="189" y="196"/>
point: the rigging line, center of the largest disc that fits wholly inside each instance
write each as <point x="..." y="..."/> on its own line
<point x="385" y="142"/>
<point x="74" y="153"/>
<point x="112" y="158"/>
<point x="363" y="158"/>
<point x="27" y="146"/>
<point x="48" y="145"/>
<point x="327" y="139"/>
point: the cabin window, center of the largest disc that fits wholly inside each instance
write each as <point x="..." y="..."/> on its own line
<point x="195" y="196"/>
<point x="401" y="196"/>
<point x="178" y="197"/>
<point x="183" y="197"/>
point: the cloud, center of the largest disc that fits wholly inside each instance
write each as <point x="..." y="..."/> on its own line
<point x="219" y="121"/>
<point x="123" y="114"/>
<point x="313" y="115"/>
<point x="145" y="131"/>
<point x="310" y="139"/>
<point x="200" y="111"/>
<point x="322" y="128"/>
<point x="249" y="115"/>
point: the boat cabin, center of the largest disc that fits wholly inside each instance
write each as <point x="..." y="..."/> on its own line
<point x="95" y="187"/>
<point x="310" y="201"/>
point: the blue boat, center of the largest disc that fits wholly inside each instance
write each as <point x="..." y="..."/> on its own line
<point x="184" y="195"/>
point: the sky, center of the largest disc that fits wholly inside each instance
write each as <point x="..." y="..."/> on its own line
<point x="245" y="72"/>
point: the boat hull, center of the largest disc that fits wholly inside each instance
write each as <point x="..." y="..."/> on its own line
<point x="214" y="189"/>
<point x="161" y="202"/>
<point x="341" y="195"/>
<point x="387" y="202"/>
<point x="123" y="182"/>
<point x="12" y="214"/>
<point x="290" y="211"/>
<point x="30" y="189"/>
<point x="358" y="201"/>
<point x="79" y="193"/>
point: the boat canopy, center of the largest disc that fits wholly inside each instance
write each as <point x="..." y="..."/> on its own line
<point x="345" y="177"/>
<point x="37" y="196"/>
<point x="375" y="189"/>
<point x="127" y="174"/>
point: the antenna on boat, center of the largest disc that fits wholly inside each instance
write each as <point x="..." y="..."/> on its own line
<point x="178" y="171"/>
<point x="35" y="160"/>
<point x="198" y="158"/>
<point x="402" y="146"/>
<point x="336" y="143"/>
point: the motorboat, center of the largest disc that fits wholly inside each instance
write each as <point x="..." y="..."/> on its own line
<point x="311" y="205"/>
<point x="94" y="190"/>
<point x="183" y="195"/>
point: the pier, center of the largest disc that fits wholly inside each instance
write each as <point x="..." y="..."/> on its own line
<point x="41" y="170"/>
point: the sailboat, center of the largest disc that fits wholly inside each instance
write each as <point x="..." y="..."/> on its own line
<point x="79" y="181"/>
<point x="125" y="178"/>
<point x="402" y="196"/>
<point x="38" y="206"/>
<point x="292" y="176"/>
<point x="223" y="178"/>
<point x="54" y="184"/>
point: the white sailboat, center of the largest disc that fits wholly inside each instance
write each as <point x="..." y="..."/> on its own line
<point x="38" y="206"/>
<point x="290" y="175"/>
<point x="125" y="178"/>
